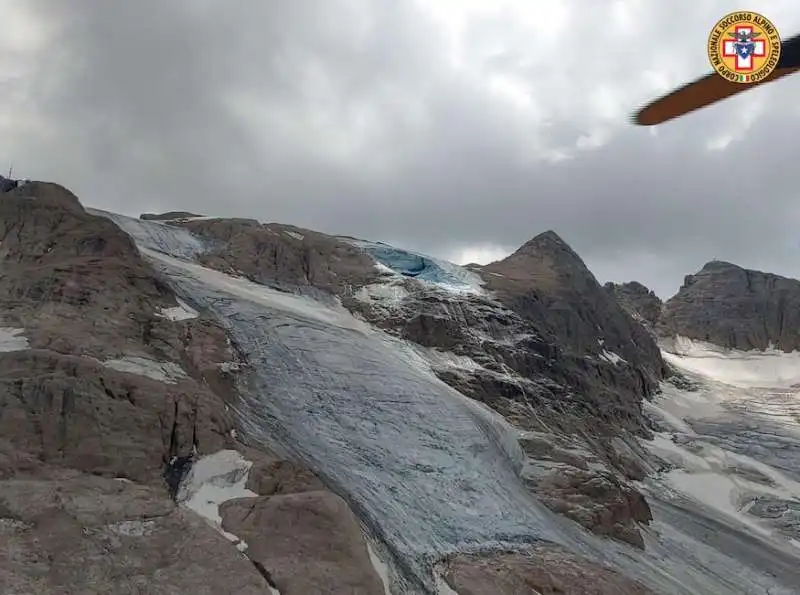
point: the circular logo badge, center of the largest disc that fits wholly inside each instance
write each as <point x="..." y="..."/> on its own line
<point x="744" y="47"/>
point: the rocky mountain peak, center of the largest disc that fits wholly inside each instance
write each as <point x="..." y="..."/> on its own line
<point x="45" y="194"/>
<point x="546" y="239"/>
<point x="549" y="285"/>
<point x="737" y="308"/>
<point x="546" y="246"/>
<point x="720" y="265"/>
<point x="545" y="262"/>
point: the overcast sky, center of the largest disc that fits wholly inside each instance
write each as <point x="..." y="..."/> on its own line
<point x="459" y="128"/>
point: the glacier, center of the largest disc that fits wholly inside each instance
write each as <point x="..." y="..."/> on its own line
<point x="423" y="268"/>
<point x="427" y="473"/>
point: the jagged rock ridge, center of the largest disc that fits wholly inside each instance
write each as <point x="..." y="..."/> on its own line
<point x="638" y="301"/>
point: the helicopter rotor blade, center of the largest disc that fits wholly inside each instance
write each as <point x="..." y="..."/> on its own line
<point x="713" y="88"/>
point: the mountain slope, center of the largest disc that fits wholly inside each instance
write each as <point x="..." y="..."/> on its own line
<point x="271" y="380"/>
<point x="638" y="301"/>
<point x="544" y="365"/>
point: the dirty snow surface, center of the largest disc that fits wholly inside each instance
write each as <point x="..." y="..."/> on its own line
<point x="730" y="439"/>
<point x="427" y="473"/>
<point x="215" y="479"/>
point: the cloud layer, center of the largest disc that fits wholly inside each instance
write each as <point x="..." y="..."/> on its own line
<point x="460" y="128"/>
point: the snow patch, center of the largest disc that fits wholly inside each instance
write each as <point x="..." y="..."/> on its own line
<point x="11" y="339"/>
<point x="294" y="234"/>
<point x="180" y="312"/>
<point x="135" y="528"/>
<point x="383" y="269"/>
<point x="448" y="359"/>
<point x="746" y="369"/>
<point x="392" y="293"/>
<point x="167" y="372"/>
<point x="381" y="568"/>
<point x="612" y="358"/>
<point x="230" y="366"/>
<point x="215" y="479"/>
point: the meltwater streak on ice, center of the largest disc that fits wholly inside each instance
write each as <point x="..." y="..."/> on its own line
<point x="416" y="465"/>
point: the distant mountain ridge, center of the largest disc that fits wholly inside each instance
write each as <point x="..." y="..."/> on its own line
<point x="723" y="304"/>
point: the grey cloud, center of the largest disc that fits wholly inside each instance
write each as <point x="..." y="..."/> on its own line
<point x="346" y="116"/>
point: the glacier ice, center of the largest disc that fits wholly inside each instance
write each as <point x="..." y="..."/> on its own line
<point x="158" y="236"/>
<point x="426" y="473"/>
<point x="423" y="268"/>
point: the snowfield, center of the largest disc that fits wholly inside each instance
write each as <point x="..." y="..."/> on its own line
<point x="746" y="369"/>
<point x="732" y="442"/>
<point x="427" y="471"/>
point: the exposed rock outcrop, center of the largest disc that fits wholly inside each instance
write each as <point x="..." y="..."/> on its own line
<point x="66" y="532"/>
<point x="544" y="571"/>
<point x="169" y="216"/>
<point x="638" y="301"/>
<point x="736" y="308"/>
<point x="285" y="256"/>
<point x="308" y="543"/>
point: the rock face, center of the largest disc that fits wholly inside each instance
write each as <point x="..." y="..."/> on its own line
<point x="638" y="301"/>
<point x="736" y="308"/>
<point x="309" y="543"/>
<point x="284" y="256"/>
<point x="543" y="571"/>
<point x="549" y="286"/>
<point x="67" y="532"/>
<point x="110" y="389"/>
